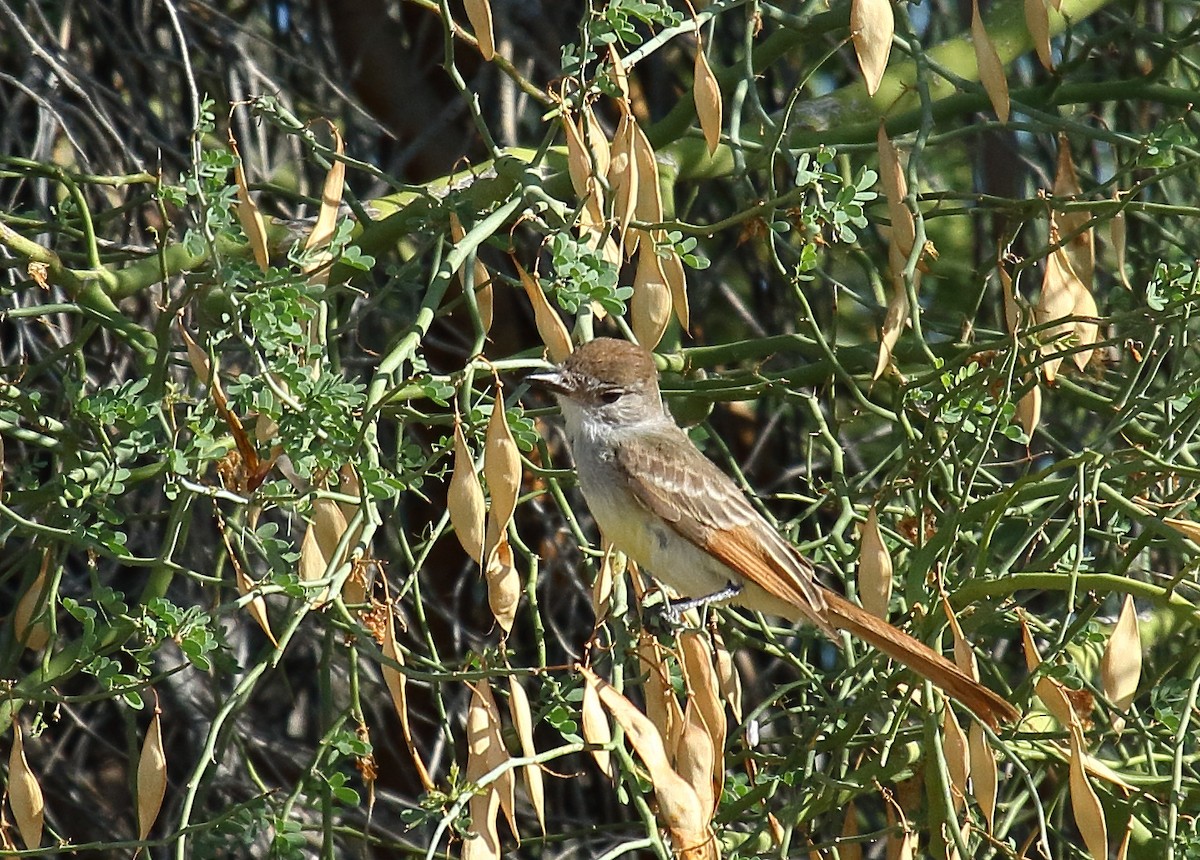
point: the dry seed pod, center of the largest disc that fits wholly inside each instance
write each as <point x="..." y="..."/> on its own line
<point x="1081" y="248"/>
<point x="503" y="584"/>
<point x="603" y="584"/>
<point x="24" y="793"/>
<point x="672" y="268"/>
<point x="874" y="568"/>
<point x="1061" y="292"/>
<point x="549" y="325"/>
<point x="397" y="684"/>
<point x="1037" y="20"/>
<point x="893" y="323"/>
<point x="964" y="657"/>
<point x="579" y="166"/>
<point x="464" y="498"/>
<point x="257" y="607"/>
<point x="479" y="13"/>
<point x="984" y="776"/>
<point x="151" y="776"/>
<point x="1089" y="816"/>
<point x="902" y="845"/>
<point x="321" y="540"/>
<point x="872" y="25"/>
<point x="619" y="76"/>
<point x="694" y="760"/>
<point x="248" y="214"/>
<point x="1121" y="665"/>
<point x="1048" y="690"/>
<point x="991" y="70"/>
<point x="661" y="705"/>
<point x="623" y="174"/>
<point x="597" y="143"/>
<point x="728" y="678"/>
<point x="484" y="805"/>
<point x="1086" y="330"/>
<point x="650" y="305"/>
<point x="29" y="624"/>
<point x="903" y="233"/>
<point x="501" y="464"/>
<point x="679" y="805"/>
<point x="649" y="209"/>
<point x="497" y="754"/>
<point x="522" y="717"/>
<point x="1029" y="409"/>
<point x="331" y="202"/>
<point x="958" y="762"/>
<point x="1012" y="311"/>
<point x="594" y="724"/>
<point x="706" y="92"/>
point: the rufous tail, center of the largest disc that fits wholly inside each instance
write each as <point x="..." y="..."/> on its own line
<point x="922" y="659"/>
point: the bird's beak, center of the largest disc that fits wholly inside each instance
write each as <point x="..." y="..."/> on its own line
<point x="553" y="381"/>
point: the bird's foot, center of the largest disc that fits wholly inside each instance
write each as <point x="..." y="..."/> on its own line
<point x="673" y="611"/>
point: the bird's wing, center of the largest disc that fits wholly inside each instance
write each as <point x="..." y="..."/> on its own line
<point x="674" y="481"/>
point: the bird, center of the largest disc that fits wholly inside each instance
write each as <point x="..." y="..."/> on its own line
<point x="658" y="499"/>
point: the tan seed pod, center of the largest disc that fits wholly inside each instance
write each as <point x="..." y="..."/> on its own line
<point x="503" y="584"/>
<point x="964" y="657"/>
<point x="597" y="142"/>
<point x="728" y="677"/>
<point x="903" y="233"/>
<point x="522" y="717"/>
<point x="24" y="793"/>
<point x="872" y="26"/>
<point x="893" y="323"/>
<point x="991" y="69"/>
<point x="248" y="214"/>
<point x="479" y="13"/>
<point x="579" y="166"/>
<point x="1049" y="691"/>
<point x="596" y="730"/>
<point x="662" y="708"/>
<point x="257" y="607"/>
<point x="650" y="304"/>
<point x="1037" y="20"/>
<point x="901" y="845"/>
<point x="1187" y="528"/>
<point x="874" y="568"/>
<point x="1012" y="310"/>
<point x="502" y="470"/>
<point x="672" y="267"/>
<point x="649" y="209"/>
<point x="705" y="697"/>
<point x="1061" y="293"/>
<point x="623" y="176"/>
<point x="464" y="498"/>
<point x="958" y="761"/>
<point x="29" y="618"/>
<point x="1121" y="665"/>
<point x="984" y="775"/>
<point x="694" y="759"/>
<point x="484" y="805"/>
<point x="707" y="94"/>
<point x="1086" y="330"/>
<point x="397" y="684"/>
<point x="549" y="325"/>
<point x="1081" y="248"/>
<point x="1089" y="815"/>
<point x="321" y="540"/>
<point x="497" y="755"/>
<point x="151" y="776"/>
<point x="1029" y="409"/>
<point x="619" y="75"/>
<point x="603" y="585"/>
<point x="331" y="202"/>
<point x="679" y="805"/>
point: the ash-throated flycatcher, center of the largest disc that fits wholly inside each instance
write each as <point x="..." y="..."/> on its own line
<point x="666" y="506"/>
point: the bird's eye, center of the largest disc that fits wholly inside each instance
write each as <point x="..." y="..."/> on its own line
<point x="611" y="395"/>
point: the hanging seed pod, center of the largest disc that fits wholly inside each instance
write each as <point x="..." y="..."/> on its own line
<point x="549" y="324"/>
<point x="872" y="26"/>
<point x="596" y="730"/>
<point x="24" y="793"/>
<point x="30" y="627"/>
<point x="706" y="93"/>
<point x="1121" y="665"/>
<point x="397" y="684"/>
<point x="465" y="498"/>
<point x="991" y="70"/>
<point x="984" y="775"/>
<point x="874" y="568"/>
<point x="1037" y="20"/>
<point x="522" y="717"/>
<point x="650" y="305"/>
<point x="1089" y="815"/>
<point x="503" y="584"/>
<point x="479" y="13"/>
<point x="151" y="776"/>
<point x="502" y="470"/>
<point x="484" y="806"/>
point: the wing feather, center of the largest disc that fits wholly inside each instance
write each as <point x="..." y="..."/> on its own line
<point x="671" y="478"/>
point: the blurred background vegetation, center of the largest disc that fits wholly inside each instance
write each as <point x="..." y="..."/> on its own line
<point x="225" y="467"/>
